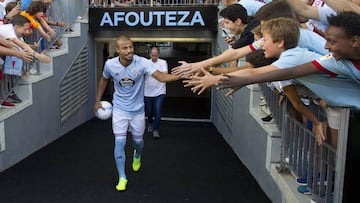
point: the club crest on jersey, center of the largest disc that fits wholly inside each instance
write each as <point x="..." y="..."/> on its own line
<point x="126" y="82"/>
<point x="325" y="57"/>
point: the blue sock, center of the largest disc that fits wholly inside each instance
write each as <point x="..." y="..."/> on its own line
<point x="138" y="145"/>
<point x="119" y="154"/>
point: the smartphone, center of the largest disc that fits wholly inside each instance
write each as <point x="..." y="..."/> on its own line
<point x="42" y="43"/>
<point x="226" y="34"/>
<point x="40" y="39"/>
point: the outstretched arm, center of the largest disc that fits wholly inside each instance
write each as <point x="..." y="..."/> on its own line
<point x="201" y="83"/>
<point x="228" y="55"/>
<point x="26" y="56"/>
<point x="164" y="77"/>
<point x="46" y="26"/>
<point x="301" y="8"/>
<point x="224" y="70"/>
<point x="343" y="5"/>
<point x="240" y="80"/>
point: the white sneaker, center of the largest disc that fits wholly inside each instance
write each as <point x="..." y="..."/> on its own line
<point x="33" y="71"/>
<point x="156" y="134"/>
<point x="150" y="128"/>
<point x="112" y="5"/>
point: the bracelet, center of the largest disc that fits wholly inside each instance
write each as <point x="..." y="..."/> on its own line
<point x="57" y="23"/>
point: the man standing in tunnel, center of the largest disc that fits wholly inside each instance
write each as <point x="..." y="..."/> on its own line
<point x="155" y="92"/>
<point x="128" y="71"/>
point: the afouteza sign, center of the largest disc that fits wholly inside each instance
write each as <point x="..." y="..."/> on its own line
<point x="153" y="18"/>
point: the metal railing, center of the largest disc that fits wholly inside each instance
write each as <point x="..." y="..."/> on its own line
<point x="302" y="156"/>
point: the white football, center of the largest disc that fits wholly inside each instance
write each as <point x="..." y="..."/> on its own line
<point x="105" y="113"/>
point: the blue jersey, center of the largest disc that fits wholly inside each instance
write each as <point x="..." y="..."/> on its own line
<point x="312" y="41"/>
<point x="324" y="13"/>
<point x="128" y="83"/>
<point x="339" y="91"/>
<point x="337" y="68"/>
<point x="251" y="6"/>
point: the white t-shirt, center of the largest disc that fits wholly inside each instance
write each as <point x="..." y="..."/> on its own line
<point x="154" y="87"/>
<point x="251" y="6"/>
<point x="7" y="31"/>
<point x="2" y="7"/>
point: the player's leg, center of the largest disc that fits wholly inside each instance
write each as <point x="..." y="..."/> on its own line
<point x="137" y="127"/>
<point x="120" y="126"/>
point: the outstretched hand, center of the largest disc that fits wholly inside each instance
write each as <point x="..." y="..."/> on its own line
<point x="200" y="83"/>
<point x="43" y="57"/>
<point x="182" y="70"/>
<point x="231" y="81"/>
<point x="25" y="55"/>
<point x="185" y="70"/>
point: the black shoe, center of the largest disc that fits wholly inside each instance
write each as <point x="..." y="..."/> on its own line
<point x="67" y="30"/>
<point x="14" y="98"/>
<point x="267" y="118"/>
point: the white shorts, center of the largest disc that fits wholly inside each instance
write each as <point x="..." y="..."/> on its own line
<point x="123" y="122"/>
<point x="333" y="117"/>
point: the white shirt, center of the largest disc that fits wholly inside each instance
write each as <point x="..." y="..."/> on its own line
<point x="2" y="7"/>
<point x="7" y="31"/>
<point x="251" y="6"/>
<point x="154" y="87"/>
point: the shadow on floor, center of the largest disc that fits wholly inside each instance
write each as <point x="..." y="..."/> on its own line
<point x="190" y="163"/>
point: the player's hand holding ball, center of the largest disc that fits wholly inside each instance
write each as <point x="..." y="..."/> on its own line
<point x="104" y="112"/>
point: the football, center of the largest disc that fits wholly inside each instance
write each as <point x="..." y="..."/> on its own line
<point x="106" y="113"/>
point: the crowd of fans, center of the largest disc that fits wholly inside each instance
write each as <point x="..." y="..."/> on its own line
<point x="315" y="45"/>
<point x="24" y="29"/>
<point x="312" y="43"/>
<point x="127" y="3"/>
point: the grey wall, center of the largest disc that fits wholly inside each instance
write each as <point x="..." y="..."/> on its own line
<point x="38" y="125"/>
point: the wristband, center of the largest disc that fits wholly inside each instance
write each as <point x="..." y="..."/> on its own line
<point x="257" y="45"/>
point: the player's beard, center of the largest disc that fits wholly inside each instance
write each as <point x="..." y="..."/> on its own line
<point x="129" y="57"/>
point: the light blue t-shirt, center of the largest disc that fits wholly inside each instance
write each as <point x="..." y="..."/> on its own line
<point x="251" y="6"/>
<point x="339" y="91"/>
<point x="312" y="41"/>
<point x="336" y="68"/>
<point x="128" y="83"/>
<point x="324" y="13"/>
